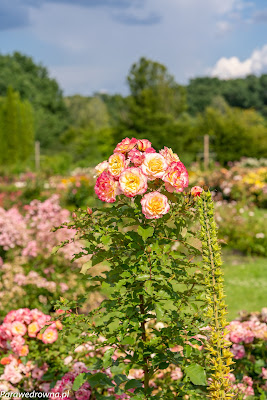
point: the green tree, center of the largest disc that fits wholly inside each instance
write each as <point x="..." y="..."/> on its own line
<point x="16" y="129"/>
<point x="89" y="138"/>
<point x="156" y="101"/>
<point x="236" y="133"/>
<point x="33" y="83"/>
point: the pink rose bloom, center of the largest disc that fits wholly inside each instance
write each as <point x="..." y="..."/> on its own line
<point x="11" y="316"/>
<point x="17" y="343"/>
<point x="106" y="187"/>
<point x="231" y="377"/>
<point x="169" y="155"/>
<point x="23" y="351"/>
<point x="18" y="329"/>
<point x="50" y="335"/>
<point x="154" y="166"/>
<point x="196" y="191"/>
<point x="125" y="145"/>
<point x="154" y="205"/>
<point x="33" y="329"/>
<point x="176" y="177"/>
<point x="116" y="164"/>
<point x="132" y="182"/>
<point x="83" y="394"/>
<point x="238" y="351"/>
<point x="264" y="373"/>
<point x="176" y="374"/>
<point x="136" y="157"/>
<point x="101" y="167"/>
<point x="143" y="144"/>
<point x="11" y="374"/>
<point x="248" y="380"/>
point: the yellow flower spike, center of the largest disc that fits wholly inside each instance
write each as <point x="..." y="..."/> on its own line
<point x="220" y="357"/>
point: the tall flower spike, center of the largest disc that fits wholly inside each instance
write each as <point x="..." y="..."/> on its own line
<point x="220" y="357"/>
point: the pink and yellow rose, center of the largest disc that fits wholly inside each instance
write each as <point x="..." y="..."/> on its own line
<point x="18" y="328"/>
<point x="116" y="164"/>
<point x="101" y="167"/>
<point x="50" y="335"/>
<point x="106" y="187"/>
<point x="176" y="177"/>
<point x="133" y="182"/>
<point x="169" y="155"/>
<point x="143" y="144"/>
<point x="154" y="166"/>
<point x="125" y="145"/>
<point x="154" y="205"/>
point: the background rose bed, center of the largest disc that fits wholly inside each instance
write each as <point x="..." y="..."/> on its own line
<point x="32" y="277"/>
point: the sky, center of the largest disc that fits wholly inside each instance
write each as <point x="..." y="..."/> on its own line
<point x="90" y="45"/>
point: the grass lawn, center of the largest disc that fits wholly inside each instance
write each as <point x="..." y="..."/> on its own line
<point x="245" y="283"/>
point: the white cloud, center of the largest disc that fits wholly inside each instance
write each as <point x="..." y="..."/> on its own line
<point x="227" y="68"/>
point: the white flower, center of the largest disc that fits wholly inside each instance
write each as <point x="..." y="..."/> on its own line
<point x="260" y="235"/>
<point x="68" y="360"/>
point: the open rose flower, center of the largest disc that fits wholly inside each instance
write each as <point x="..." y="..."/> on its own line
<point x="154" y="205"/>
<point x="136" y="157"/>
<point x="101" y="167"/>
<point x="18" y="328"/>
<point x="33" y="329"/>
<point x="169" y="155"/>
<point x="176" y="177"/>
<point x="125" y="145"/>
<point x="116" y="164"/>
<point x="154" y="166"/>
<point x="143" y="144"/>
<point x="106" y="187"/>
<point x="49" y="336"/>
<point x="133" y="182"/>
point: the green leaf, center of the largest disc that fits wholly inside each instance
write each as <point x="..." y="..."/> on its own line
<point x="145" y="233"/>
<point x="195" y="242"/>
<point x="79" y="381"/>
<point x="133" y="383"/>
<point x="149" y="287"/>
<point x="86" y="266"/>
<point x="128" y="340"/>
<point x="159" y="311"/>
<point x="196" y="374"/>
<point x="100" y="379"/>
<point x="107" y="360"/>
<point x="106" y="240"/>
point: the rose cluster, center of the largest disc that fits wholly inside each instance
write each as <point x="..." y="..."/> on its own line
<point x="132" y="167"/>
<point x="21" y="325"/>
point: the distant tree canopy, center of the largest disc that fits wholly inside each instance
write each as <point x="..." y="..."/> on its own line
<point x="16" y="129"/>
<point x="154" y="104"/>
<point x="33" y="83"/>
<point x="250" y="92"/>
<point x="86" y="129"/>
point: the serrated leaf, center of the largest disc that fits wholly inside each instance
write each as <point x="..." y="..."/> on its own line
<point x="107" y="358"/>
<point x="79" y="381"/>
<point x="196" y="374"/>
<point x="145" y="233"/>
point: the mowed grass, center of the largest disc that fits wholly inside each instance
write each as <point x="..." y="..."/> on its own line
<point x="245" y="283"/>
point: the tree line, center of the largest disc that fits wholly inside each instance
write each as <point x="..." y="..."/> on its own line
<point x="232" y="112"/>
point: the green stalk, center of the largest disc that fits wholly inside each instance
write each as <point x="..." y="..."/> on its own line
<point x="220" y="357"/>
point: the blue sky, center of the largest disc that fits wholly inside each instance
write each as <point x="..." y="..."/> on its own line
<point x="89" y="45"/>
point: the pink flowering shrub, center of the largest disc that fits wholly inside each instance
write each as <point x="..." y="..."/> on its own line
<point x="248" y="335"/>
<point x="135" y="168"/>
<point x="30" y="275"/>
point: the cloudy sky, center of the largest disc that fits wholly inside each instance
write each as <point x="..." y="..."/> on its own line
<point x="89" y="45"/>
